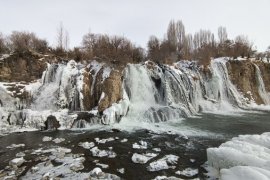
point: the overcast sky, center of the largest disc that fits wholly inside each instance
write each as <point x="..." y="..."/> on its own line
<point x="136" y="19"/>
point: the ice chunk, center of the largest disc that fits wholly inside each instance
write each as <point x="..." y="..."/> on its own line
<point x="46" y="138"/>
<point x="245" y="173"/>
<point x="87" y="145"/>
<point x="140" y="145"/>
<point x="251" y="151"/>
<point x="123" y="140"/>
<point x="12" y="146"/>
<point x="163" y="163"/>
<point x="157" y="149"/>
<point x="189" y="172"/>
<point x="121" y="170"/>
<point x="142" y="158"/>
<point x="58" y="140"/>
<point x="17" y="162"/>
<point x="102" y="153"/>
<point x="104" y="166"/>
<point x="103" y="141"/>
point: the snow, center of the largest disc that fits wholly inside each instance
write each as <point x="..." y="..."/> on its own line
<point x="163" y="163"/>
<point x="251" y="151"/>
<point x="142" y="158"/>
<point x="140" y="145"/>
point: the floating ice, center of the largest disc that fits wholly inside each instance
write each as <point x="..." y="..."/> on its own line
<point x="58" y="140"/>
<point x="102" y="153"/>
<point x="87" y="145"/>
<point x="46" y="138"/>
<point x="121" y="170"/>
<point x="103" y="141"/>
<point x="163" y="163"/>
<point x="189" y="172"/>
<point x="140" y="145"/>
<point x="12" y="146"/>
<point x="142" y="158"/>
<point x="17" y="162"/>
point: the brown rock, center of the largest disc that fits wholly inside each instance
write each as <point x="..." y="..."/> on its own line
<point x="243" y="75"/>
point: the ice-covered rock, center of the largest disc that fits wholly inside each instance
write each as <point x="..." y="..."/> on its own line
<point x="164" y="163"/>
<point x="142" y="158"/>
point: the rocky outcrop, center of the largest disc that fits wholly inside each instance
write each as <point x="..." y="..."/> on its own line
<point x="243" y="75"/>
<point x="26" y="66"/>
<point x="101" y="92"/>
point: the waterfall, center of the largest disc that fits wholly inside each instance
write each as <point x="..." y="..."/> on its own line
<point x="59" y="88"/>
<point x="261" y="87"/>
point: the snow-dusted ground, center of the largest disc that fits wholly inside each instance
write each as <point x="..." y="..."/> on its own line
<point x="242" y="158"/>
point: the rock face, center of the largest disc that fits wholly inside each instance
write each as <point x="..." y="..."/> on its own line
<point x="100" y="92"/>
<point x="243" y="75"/>
<point x="25" y="66"/>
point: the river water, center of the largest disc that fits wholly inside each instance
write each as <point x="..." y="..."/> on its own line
<point x="190" y="142"/>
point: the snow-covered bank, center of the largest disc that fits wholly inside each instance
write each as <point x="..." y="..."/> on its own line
<point x="244" y="157"/>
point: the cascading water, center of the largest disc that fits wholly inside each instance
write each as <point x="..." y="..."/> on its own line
<point x="261" y="87"/>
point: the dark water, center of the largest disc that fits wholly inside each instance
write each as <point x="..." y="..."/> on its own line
<point x="224" y="126"/>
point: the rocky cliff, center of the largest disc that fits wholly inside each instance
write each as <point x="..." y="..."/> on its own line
<point x="26" y="66"/>
<point x="244" y="74"/>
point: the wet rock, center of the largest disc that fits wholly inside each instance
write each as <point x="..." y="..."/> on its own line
<point x="51" y="123"/>
<point x="20" y="154"/>
<point x="58" y="140"/>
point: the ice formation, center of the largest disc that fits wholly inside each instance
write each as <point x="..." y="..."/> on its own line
<point x="241" y="157"/>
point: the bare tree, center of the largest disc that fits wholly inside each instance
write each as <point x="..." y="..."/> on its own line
<point x="3" y="47"/>
<point x="222" y="34"/>
<point x="180" y="35"/>
<point x="66" y="40"/>
<point x="60" y="37"/>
